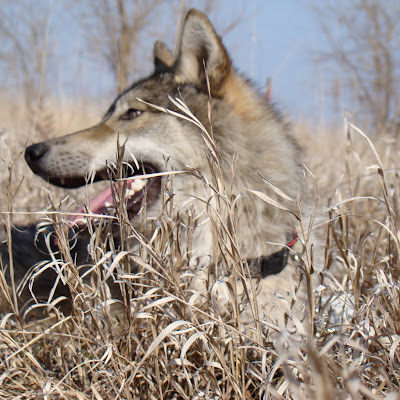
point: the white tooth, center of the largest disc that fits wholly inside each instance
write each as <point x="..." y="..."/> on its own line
<point x="143" y="182"/>
<point x="108" y="204"/>
<point x="138" y="184"/>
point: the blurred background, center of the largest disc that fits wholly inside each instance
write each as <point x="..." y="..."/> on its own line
<point x="321" y="58"/>
<point x="63" y="62"/>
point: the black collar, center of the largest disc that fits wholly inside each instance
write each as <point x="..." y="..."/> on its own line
<point x="264" y="266"/>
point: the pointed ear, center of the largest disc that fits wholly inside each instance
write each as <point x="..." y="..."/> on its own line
<point x="163" y="57"/>
<point x="200" y="45"/>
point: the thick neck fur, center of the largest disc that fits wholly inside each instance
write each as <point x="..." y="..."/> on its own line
<point x="252" y="138"/>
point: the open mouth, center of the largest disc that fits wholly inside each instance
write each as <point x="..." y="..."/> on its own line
<point x="130" y="186"/>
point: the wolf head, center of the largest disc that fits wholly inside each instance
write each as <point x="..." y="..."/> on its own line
<point x="250" y="136"/>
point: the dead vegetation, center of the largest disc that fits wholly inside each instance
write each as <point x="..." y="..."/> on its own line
<point x="158" y="341"/>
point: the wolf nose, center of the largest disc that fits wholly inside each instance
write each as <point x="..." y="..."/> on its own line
<point x="35" y="152"/>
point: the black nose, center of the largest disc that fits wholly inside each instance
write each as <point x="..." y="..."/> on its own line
<point x="35" y="152"/>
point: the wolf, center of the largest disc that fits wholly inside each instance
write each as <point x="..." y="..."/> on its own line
<point x="198" y="120"/>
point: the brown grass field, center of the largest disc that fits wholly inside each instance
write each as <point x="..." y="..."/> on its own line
<point x="163" y="346"/>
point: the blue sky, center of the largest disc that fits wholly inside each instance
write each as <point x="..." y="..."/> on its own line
<point x="276" y="38"/>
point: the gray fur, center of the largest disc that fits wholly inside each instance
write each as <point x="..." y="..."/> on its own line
<point x="245" y="126"/>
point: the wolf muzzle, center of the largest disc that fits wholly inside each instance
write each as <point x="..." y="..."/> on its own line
<point x="34" y="154"/>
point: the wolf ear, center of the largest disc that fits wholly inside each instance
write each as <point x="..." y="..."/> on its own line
<point x="200" y="45"/>
<point x="163" y="57"/>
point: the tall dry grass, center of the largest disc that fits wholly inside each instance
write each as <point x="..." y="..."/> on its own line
<point x="158" y="341"/>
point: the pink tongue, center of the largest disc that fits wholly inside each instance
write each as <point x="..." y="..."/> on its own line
<point x="99" y="204"/>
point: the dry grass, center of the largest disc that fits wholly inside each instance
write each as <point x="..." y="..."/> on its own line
<point x="165" y="344"/>
<point x="22" y="191"/>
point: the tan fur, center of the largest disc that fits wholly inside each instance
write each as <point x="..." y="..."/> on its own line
<point x="248" y="133"/>
<point x="201" y="48"/>
<point x="163" y="54"/>
<point x="244" y="100"/>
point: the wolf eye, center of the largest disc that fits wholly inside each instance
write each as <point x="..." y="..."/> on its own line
<point x="130" y="114"/>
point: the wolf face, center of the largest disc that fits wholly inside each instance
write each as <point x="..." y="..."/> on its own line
<point x="246" y="132"/>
